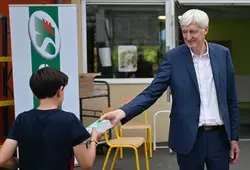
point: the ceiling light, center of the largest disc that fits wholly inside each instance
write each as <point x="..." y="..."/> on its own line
<point x="162" y="17"/>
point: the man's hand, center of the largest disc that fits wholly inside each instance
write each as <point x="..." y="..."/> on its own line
<point x="234" y="152"/>
<point x="114" y="116"/>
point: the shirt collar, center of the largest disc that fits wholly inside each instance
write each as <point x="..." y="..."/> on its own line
<point x="205" y="54"/>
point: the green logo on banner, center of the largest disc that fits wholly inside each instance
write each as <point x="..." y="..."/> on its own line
<point x="44" y="34"/>
<point x="44" y="30"/>
<point x="45" y="38"/>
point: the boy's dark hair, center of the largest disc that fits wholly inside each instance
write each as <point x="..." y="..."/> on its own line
<point x="47" y="81"/>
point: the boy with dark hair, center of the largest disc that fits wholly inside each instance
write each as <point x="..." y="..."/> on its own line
<point x="48" y="137"/>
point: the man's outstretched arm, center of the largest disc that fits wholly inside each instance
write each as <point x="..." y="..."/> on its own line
<point x="150" y="95"/>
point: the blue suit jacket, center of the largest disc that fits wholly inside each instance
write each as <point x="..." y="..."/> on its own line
<point x="177" y="71"/>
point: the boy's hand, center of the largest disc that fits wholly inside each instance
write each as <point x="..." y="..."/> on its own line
<point x="96" y="135"/>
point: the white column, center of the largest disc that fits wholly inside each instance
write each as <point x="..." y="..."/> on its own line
<point x="84" y="37"/>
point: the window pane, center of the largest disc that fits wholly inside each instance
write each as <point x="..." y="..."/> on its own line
<point x="125" y="41"/>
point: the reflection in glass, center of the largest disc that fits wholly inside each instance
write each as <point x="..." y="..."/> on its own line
<point x="125" y="41"/>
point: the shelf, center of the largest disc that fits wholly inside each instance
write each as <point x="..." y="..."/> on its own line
<point x="99" y="92"/>
<point x="5" y="103"/>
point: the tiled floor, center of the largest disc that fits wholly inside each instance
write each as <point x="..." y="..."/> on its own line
<point x="163" y="160"/>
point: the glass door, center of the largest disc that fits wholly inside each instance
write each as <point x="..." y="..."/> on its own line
<point x="221" y="15"/>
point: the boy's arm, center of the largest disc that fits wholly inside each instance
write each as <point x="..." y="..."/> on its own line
<point x="9" y="147"/>
<point x="84" y="156"/>
<point x="6" y="154"/>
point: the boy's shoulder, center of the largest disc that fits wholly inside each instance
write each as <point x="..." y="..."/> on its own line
<point x="56" y="112"/>
<point x="67" y="114"/>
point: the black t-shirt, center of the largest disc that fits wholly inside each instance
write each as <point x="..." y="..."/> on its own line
<point x="46" y="138"/>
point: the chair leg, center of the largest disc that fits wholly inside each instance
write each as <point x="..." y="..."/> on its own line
<point x="137" y="158"/>
<point x="154" y="132"/>
<point x="150" y="142"/>
<point x="121" y="149"/>
<point x="106" y="159"/>
<point x="146" y="156"/>
<point x="114" y="159"/>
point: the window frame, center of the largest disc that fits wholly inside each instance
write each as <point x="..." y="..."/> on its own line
<point x="169" y="39"/>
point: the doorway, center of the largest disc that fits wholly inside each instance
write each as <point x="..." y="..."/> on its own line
<point x="229" y="26"/>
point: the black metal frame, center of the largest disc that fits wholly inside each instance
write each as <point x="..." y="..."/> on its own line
<point x="95" y="96"/>
<point x="5" y="73"/>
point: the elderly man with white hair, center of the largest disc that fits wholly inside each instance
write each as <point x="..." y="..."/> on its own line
<point x="204" y="119"/>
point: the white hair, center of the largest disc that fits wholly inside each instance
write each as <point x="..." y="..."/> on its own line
<point x="194" y="16"/>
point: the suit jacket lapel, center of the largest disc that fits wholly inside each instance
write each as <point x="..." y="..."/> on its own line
<point x="190" y="66"/>
<point x="214" y="60"/>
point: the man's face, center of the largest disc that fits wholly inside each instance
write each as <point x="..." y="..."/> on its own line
<point x="194" y="35"/>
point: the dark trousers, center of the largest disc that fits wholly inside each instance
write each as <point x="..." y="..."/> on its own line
<point x="211" y="148"/>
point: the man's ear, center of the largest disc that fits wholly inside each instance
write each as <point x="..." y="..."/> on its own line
<point x="206" y="30"/>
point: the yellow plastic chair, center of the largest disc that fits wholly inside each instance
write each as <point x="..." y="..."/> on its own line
<point x="124" y="142"/>
<point x="141" y="126"/>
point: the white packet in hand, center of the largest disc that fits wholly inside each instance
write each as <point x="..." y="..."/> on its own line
<point x="100" y="126"/>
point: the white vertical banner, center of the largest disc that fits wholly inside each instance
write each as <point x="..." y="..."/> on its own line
<point x="44" y="35"/>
